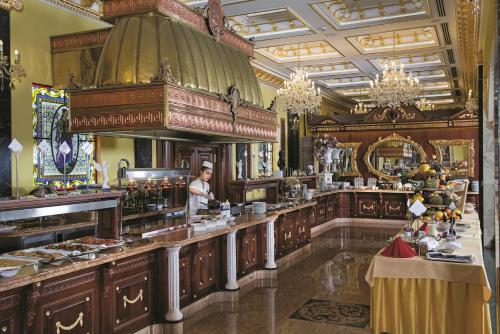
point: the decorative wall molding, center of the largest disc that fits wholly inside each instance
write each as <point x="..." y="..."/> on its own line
<point x="86" y="39"/>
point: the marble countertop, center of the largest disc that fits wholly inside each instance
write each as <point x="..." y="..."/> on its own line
<point x="177" y="238"/>
<point x="384" y="191"/>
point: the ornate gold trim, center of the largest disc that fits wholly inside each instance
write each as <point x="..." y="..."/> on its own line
<point x="466" y="32"/>
<point x="456" y="142"/>
<point x="354" y="158"/>
<point x="268" y="78"/>
<point x="393" y="137"/>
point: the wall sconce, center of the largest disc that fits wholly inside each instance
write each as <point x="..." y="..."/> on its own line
<point x="10" y="72"/>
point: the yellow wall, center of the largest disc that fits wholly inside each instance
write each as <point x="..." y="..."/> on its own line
<point x="30" y="32"/>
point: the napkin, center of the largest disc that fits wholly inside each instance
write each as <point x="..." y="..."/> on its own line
<point x="398" y="248"/>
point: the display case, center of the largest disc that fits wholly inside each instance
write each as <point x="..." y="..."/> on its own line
<point x="154" y="200"/>
<point x="33" y="222"/>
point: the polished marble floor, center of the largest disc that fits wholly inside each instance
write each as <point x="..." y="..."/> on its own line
<point x="334" y="272"/>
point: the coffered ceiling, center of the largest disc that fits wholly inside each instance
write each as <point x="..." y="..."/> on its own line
<point x="343" y="44"/>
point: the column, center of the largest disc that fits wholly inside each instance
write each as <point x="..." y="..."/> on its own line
<point x="270" y="264"/>
<point x="231" y="284"/>
<point x="174" y="312"/>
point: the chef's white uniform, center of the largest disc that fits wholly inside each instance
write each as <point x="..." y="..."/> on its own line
<point x="197" y="202"/>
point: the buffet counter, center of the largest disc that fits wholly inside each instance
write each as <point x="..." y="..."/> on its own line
<point x="358" y="203"/>
<point x="414" y="295"/>
<point x="150" y="280"/>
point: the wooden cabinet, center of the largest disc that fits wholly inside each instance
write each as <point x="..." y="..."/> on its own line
<point x="205" y="267"/>
<point x="321" y="210"/>
<point x="330" y="207"/>
<point x="185" y="276"/>
<point x="67" y="304"/>
<point x="367" y="206"/>
<point x="247" y="251"/>
<point x="394" y="207"/>
<point x="10" y="312"/>
<point x="287" y="233"/>
<point x="302" y="229"/>
<point x="128" y="298"/>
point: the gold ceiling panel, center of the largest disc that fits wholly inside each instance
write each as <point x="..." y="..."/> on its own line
<point x="401" y="40"/>
<point x="427" y="59"/>
<point x="307" y="51"/>
<point x="281" y="22"/>
<point x="353" y="91"/>
<point x="346" y="82"/>
<point x="439" y="85"/>
<point x="433" y="94"/>
<point x="430" y="75"/>
<point x="347" y="14"/>
<point x="345" y="67"/>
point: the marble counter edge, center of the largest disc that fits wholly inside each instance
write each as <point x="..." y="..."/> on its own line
<point x="155" y="243"/>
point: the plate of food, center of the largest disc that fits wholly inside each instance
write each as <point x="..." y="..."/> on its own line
<point x="41" y="254"/>
<point x="76" y="249"/>
<point x="98" y="242"/>
<point x="9" y="267"/>
<point x="7" y="228"/>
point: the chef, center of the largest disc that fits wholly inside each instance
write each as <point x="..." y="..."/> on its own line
<point x="199" y="189"/>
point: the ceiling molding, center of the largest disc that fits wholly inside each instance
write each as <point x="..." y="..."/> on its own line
<point x="268" y="78"/>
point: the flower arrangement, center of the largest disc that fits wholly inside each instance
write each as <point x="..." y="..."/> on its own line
<point x="322" y="148"/>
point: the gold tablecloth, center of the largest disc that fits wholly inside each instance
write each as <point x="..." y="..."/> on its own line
<point x="416" y="296"/>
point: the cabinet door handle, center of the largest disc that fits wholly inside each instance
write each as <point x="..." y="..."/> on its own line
<point x="391" y="208"/>
<point x="78" y="321"/>
<point x="133" y="301"/>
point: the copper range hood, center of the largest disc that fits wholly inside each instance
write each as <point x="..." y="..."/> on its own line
<point x="168" y="72"/>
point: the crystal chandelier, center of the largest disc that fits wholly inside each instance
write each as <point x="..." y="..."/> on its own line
<point x="9" y="71"/>
<point x="299" y="95"/>
<point x="396" y="88"/>
<point x="424" y="104"/>
<point x="471" y="103"/>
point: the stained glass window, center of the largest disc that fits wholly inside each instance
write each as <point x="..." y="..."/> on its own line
<point x="51" y="123"/>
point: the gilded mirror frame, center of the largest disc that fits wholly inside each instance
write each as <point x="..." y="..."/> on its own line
<point x="381" y="141"/>
<point x="354" y="158"/>
<point x="437" y="143"/>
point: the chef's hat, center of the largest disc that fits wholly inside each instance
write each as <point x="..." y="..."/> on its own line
<point x="208" y="164"/>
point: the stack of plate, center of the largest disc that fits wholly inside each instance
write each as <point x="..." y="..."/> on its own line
<point x="259" y="208"/>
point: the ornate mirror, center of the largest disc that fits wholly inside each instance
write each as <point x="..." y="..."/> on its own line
<point x="344" y="159"/>
<point x="456" y="154"/>
<point x="393" y="156"/>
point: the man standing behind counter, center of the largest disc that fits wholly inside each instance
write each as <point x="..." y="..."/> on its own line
<point x="199" y="189"/>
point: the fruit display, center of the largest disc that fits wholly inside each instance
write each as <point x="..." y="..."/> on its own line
<point x="431" y="183"/>
<point x="436" y="199"/>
